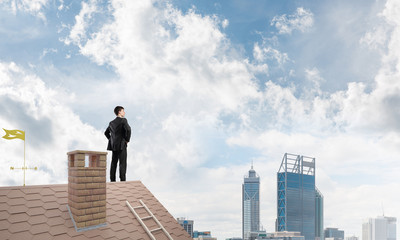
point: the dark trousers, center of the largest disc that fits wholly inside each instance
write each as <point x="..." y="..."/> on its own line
<point x="121" y="156"/>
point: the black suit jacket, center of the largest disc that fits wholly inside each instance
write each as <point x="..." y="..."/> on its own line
<point x="118" y="134"/>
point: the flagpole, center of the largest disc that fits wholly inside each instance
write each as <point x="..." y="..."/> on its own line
<point x="13" y="134"/>
<point x="24" y="160"/>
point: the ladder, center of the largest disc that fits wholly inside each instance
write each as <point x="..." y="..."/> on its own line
<point x="151" y="216"/>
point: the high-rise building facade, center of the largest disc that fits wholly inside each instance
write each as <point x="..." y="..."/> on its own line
<point x="187" y="225"/>
<point x="296" y="195"/>
<point x="203" y="236"/>
<point x="285" y="236"/>
<point x="250" y="204"/>
<point x="352" y="238"/>
<point x="334" y="234"/>
<point x="380" y="228"/>
<point x="198" y="234"/>
<point x="319" y="215"/>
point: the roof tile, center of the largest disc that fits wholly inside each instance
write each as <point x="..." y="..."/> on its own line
<point x="72" y="232"/>
<point x="33" y="196"/>
<point x="51" y="205"/>
<point x="3" y="199"/>
<point x="4" y="192"/>
<point x="42" y="210"/>
<point x="20" y="235"/>
<point x="19" y="227"/>
<point x="38" y="219"/>
<point x="4" y="224"/>
<point x="122" y="213"/>
<point x="4" y="215"/>
<point x="49" y="199"/>
<point x="122" y="234"/>
<point x="54" y="221"/>
<point x="106" y="234"/>
<point x="17" y="209"/>
<point x="57" y="230"/>
<point x="15" y="193"/>
<point x="59" y="188"/>
<point x="5" y="234"/>
<point x="4" y="206"/>
<point x="52" y="213"/>
<point x="93" y="233"/>
<point x="62" y="201"/>
<point x="47" y="191"/>
<point x="16" y="201"/>
<point x="62" y="237"/>
<point x="36" y="211"/>
<point x="39" y="228"/>
<point x="126" y="220"/>
<point x="34" y="203"/>
<point x="31" y="190"/>
<point x="65" y="215"/>
<point x="117" y="226"/>
<point x="43" y="236"/>
<point x="62" y="194"/>
<point x="16" y="218"/>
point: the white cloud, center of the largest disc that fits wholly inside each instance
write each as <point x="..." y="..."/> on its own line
<point x="263" y="52"/>
<point x="78" y="31"/>
<point x="52" y="129"/>
<point x="312" y="88"/>
<point x="301" y="20"/>
<point x="34" y="7"/>
<point x="375" y="39"/>
<point x="47" y="51"/>
<point x="225" y="23"/>
<point x="61" y="6"/>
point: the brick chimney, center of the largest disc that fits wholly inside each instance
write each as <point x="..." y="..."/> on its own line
<point x="87" y="188"/>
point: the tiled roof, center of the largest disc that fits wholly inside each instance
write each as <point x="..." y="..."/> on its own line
<point x="40" y="212"/>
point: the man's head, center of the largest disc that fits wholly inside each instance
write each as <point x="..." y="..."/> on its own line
<point x="119" y="111"/>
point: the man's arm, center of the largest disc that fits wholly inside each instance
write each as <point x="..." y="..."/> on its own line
<point x="107" y="133"/>
<point x="127" y="131"/>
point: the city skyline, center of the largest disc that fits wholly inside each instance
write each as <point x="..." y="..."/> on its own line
<point x="250" y="204"/>
<point x="381" y="227"/>
<point x="296" y="197"/>
<point x="209" y="87"/>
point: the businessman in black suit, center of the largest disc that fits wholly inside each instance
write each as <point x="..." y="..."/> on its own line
<point x="118" y="134"/>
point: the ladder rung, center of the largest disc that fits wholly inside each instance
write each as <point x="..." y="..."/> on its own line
<point x="157" y="229"/>
<point x="149" y="232"/>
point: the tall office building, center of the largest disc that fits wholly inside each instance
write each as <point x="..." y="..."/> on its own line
<point x="380" y="228"/>
<point x="352" y="238"/>
<point x="186" y="224"/>
<point x="319" y="215"/>
<point x="296" y="195"/>
<point x="203" y="236"/>
<point x="334" y="234"/>
<point x="250" y="204"/>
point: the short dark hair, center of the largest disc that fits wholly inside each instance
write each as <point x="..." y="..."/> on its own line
<point x="117" y="109"/>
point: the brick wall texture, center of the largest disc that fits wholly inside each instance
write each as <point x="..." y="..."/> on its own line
<point x="87" y="188"/>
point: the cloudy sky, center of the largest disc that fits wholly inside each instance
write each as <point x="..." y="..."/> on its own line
<point x="208" y="87"/>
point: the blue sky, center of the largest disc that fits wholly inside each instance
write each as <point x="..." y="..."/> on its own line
<point x="209" y="87"/>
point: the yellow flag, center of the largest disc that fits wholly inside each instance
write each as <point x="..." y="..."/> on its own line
<point x="13" y="134"/>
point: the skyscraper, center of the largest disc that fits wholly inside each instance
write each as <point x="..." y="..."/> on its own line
<point x="250" y="204"/>
<point x="319" y="215"/>
<point x="186" y="224"/>
<point x="296" y="195"/>
<point x="380" y="228"/>
<point x="334" y="234"/>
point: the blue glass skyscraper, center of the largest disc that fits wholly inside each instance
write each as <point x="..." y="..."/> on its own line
<point x="296" y="195"/>
<point x="319" y="215"/>
<point x="250" y="204"/>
